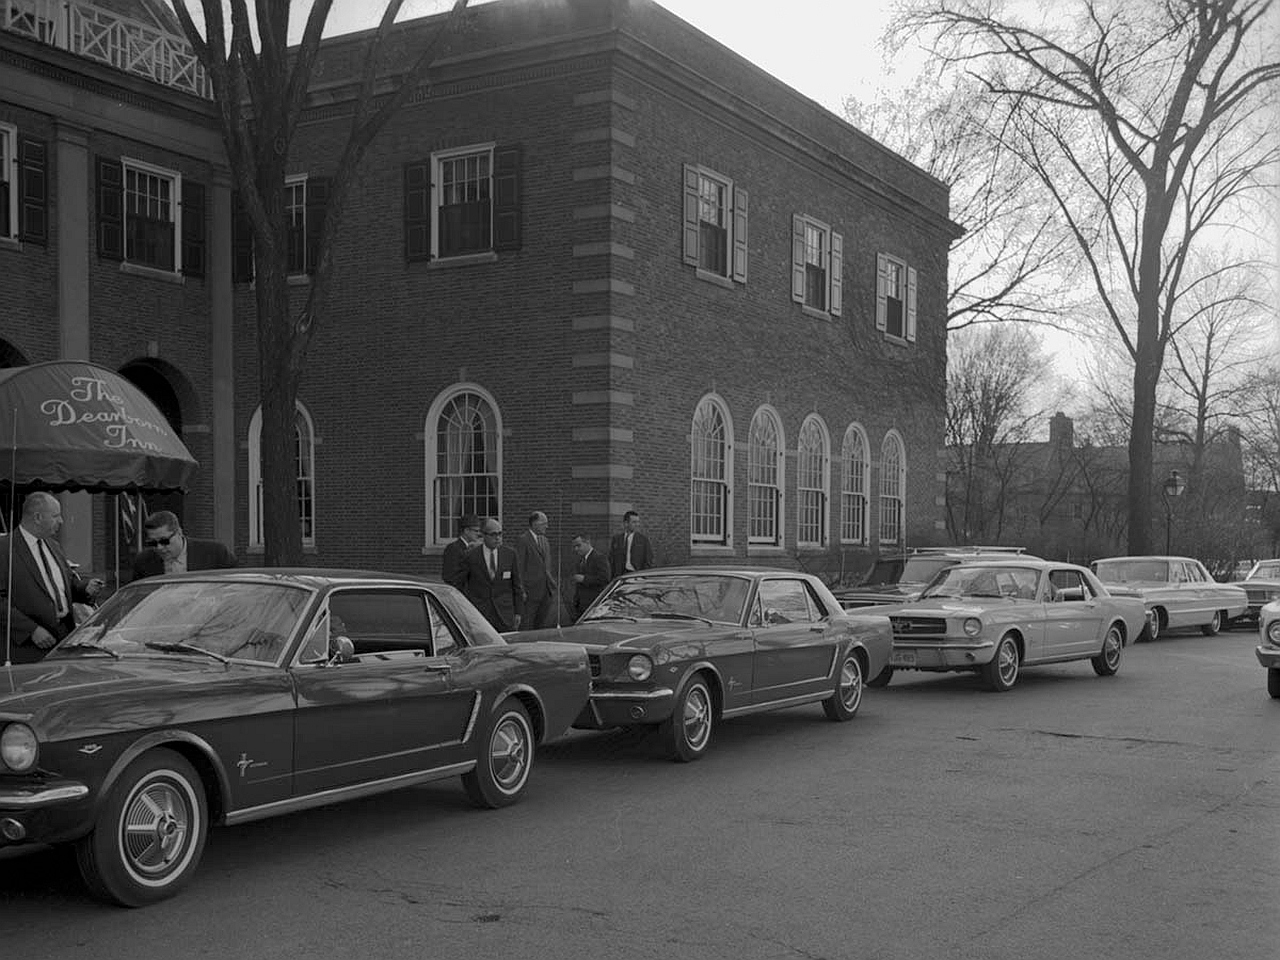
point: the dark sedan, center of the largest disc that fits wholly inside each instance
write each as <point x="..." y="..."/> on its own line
<point x="680" y="649"/>
<point x="223" y="698"/>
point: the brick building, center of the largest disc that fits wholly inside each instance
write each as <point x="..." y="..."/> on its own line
<point x="603" y="263"/>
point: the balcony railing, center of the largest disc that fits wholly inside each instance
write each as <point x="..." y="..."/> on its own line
<point x="103" y="35"/>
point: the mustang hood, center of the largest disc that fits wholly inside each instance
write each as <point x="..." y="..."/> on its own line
<point x="609" y="633"/>
<point x="30" y="688"/>
<point x="974" y="607"/>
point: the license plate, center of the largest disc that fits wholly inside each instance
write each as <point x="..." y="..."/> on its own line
<point x="903" y="658"/>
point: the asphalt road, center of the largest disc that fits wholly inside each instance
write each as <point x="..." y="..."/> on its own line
<point x="1074" y="817"/>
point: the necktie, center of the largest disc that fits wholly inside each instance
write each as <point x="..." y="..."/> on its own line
<point x="55" y="585"/>
<point x="493" y="564"/>
<point x="628" y="563"/>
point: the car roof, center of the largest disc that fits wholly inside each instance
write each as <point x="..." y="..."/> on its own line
<point x="1021" y="563"/>
<point x="721" y="571"/>
<point x="314" y="577"/>
<point x="1154" y="556"/>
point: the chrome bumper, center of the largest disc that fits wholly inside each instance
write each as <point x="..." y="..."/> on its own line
<point x="34" y="799"/>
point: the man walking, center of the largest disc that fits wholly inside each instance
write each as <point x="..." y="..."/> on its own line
<point x="592" y="575"/>
<point x="490" y="579"/>
<point x="630" y="549"/>
<point x="468" y="536"/>
<point x="533" y="561"/>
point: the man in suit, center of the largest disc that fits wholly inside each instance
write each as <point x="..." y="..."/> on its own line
<point x="169" y="550"/>
<point x="592" y="575"/>
<point x="37" y="613"/>
<point x="630" y="549"/>
<point x="490" y="579"/>
<point x="533" y="561"/>
<point x="468" y="536"/>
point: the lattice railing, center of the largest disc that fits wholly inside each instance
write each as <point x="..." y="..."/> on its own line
<point x="103" y="35"/>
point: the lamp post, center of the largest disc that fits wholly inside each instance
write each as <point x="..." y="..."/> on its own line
<point x="1173" y="487"/>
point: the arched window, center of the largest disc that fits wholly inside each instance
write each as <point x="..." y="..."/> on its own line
<point x="464" y="460"/>
<point x="854" y="455"/>
<point x="893" y="486"/>
<point x="305" y="437"/>
<point x="765" y="478"/>
<point x="710" y="473"/>
<point x="813" y="480"/>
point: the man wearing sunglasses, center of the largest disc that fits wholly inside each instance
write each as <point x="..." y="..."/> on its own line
<point x="169" y="550"/>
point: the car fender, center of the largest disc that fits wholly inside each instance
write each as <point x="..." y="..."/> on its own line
<point x="524" y="693"/>
<point x="161" y="738"/>
<point x="697" y="666"/>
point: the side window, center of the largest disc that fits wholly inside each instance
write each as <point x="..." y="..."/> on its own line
<point x="1069" y="586"/>
<point x="379" y="621"/>
<point x="786" y="601"/>
<point x="445" y="636"/>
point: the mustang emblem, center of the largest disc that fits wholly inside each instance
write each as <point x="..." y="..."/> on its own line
<point x="89" y="749"/>
<point x="244" y="763"/>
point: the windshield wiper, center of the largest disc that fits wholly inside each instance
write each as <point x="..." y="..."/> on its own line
<point x="988" y="596"/>
<point x="613" y="616"/>
<point x="680" y="616"/>
<point x="179" y="646"/>
<point x="82" y="645"/>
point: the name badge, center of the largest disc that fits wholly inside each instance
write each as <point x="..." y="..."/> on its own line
<point x="506" y="574"/>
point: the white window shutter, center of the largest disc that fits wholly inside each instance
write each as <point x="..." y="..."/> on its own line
<point x="837" y="282"/>
<point x="797" y="258"/>
<point x="911" y="304"/>
<point x="739" y="235"/>
<point x="882" y="292"/>
<point x="690" y="215"/>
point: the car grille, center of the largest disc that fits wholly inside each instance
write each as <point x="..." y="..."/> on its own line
<point x="918" y="626"/>
<point x="1258" y="595"/>
<point x="593" y="661"/>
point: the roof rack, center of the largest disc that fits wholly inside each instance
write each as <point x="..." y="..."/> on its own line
<point x="968" y="549"/>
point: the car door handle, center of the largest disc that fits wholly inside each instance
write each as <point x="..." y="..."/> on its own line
<point x="818" y="628"/>
<point x="437" y="667"/>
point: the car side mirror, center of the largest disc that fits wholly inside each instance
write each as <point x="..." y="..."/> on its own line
<point x="342" y="650"/>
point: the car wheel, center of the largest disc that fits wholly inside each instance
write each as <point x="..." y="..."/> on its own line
<point x="882" y="678"/>
<point x="505" y="760"/>
<point x="150" y="833"/>
<point x="1157" y="624"/>
<point x="688" y="731"/>
<point x="1107" y="662"/>
<point x="1214" y="625"/>
<point x="1002" y="672"/>
<point x="847" y="696"/>
<point x="1273" y="683"/>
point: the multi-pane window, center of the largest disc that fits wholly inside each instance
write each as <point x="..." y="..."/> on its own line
<point x="715" y="225"/>
<point x="295" y="216"/>
<point x="464" y="211"/>
<point x="812" y="477"/>
<point x="8" y="181"/>
<point x="150" y="216"/>
<point x="709" y="472"/>
<point x="764" y="479"/>
<point x="853" y="486"/>
<point x="816" y="253"/>
<point x="815" y="267"/>
<point x="305" y="479"/>
<point x="466" y="474"/>
<point x="895" y="298"/>
<point x="893" y="482"/>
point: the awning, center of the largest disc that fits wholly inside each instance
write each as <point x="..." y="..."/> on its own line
<point x="72" y="425"/>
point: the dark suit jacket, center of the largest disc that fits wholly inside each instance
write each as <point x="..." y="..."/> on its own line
<point x="533" y="561"/>
<point x="641" y="553"/>
<point x="499" y="598"/>
<point x="32" y="605"/>
<point x="201" y="555"/>
<point x="595" y="569"/>
<point x="451" y="561"/>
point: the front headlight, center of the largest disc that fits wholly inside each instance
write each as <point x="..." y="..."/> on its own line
<point x="972" y="627"/>
<point x="639" y="667"/>
<point x="1273" y="632"/>
<point x="19" y="747"/>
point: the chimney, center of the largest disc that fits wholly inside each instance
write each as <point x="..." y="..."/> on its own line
<point x="1062" y="431"/>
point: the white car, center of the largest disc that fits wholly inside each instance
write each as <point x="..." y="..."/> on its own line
<point x="1177" y="590"/>
<point x="1268" y="649"/>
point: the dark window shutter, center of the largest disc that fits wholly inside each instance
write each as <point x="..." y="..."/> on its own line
<point x="692" y="229"/>
<point x="506" y="199"/>
<point x="193" y="229"/>
<point x="110" y="209"/>
<point x="317" y="201"/>
<point x="417" y="210"/>
<point x="33" y="225"/>
<point x="241" y="242"/>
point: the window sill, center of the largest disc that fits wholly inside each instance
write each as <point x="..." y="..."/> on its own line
<point x="152" y="273"/>
<point x="711" y="550"/>
<point x="433" y="550"/>
<point x="298" y="280"/>
<point x="10" y="243"/>
<point x="900" y="341"/>
<point x="715" y="278"/>
<point x="465" y="260"/>
<point x="765" y="550"/>
<point x="814" y="312"/>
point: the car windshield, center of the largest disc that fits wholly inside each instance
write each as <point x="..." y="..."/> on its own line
<point x="1266" y="571"/>
<point x="712" y="597"/>
<point x="883" y="572"/>
<point x="1129" y="571"/>
<point x="225" y="621"/>
<point x="972" y="580"/>
<point x="923" y="569"/>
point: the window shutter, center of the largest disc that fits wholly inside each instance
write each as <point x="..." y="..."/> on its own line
<point x="33" y="223"/>
<point x="507" y="227"/>
<point x="882" y="292"/>
<point x="417" y="210"/>
<point x="911" y="304"/>
<point x="193" y="228"/>
<point x="241" y="241"/>
<point x="739" y="235"/>
<point x="110" y="209"/>
<point x="317" y="201"/>
<point x="797" y="258"/>
<point x="690" y="215"/>
<point x="837" y="273"/>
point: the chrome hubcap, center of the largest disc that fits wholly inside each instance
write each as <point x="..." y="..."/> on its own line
<point x="851" y="684"/>
<point x="697" y="717"/>
<point x="509" y="753"/>
<point x="155" y="828"/>
<point x="1008" y="662"/>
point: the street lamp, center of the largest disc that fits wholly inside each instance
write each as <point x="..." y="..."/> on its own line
<point x="1173" y="487"/>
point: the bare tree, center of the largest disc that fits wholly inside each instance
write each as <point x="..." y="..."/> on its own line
<point x="260" y="85"/>
<point x="1145" y="123"/>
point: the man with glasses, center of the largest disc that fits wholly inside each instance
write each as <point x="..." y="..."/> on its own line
<point x="451" y="559"/>
<point x="169" y="550"/>
<point x="489" y="578"/>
